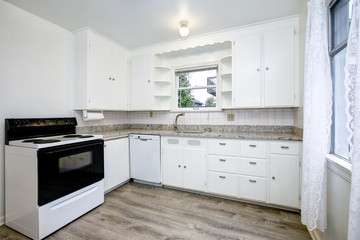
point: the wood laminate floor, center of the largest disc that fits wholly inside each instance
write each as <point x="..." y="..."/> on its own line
<point x="137" y="211"/>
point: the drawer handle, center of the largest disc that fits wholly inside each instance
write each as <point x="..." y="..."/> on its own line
<point x="284" y="147"/>
<point x="222" y="144"/>
<point x="222" y="177"/>
<point x="252" y="145"/>
<point x="253" y="163"/>
<point x="222" y="160"/>
<point x="252" y="181"/>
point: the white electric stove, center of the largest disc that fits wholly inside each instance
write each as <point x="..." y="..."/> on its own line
<point x="52" y="174"/>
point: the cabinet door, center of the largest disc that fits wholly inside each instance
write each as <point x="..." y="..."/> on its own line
<point x="172" y="166"/>
<point x="194" y="169"/>
<point x="279" y="58"/>
<point x="141" y="83"/>
<point x="247" y="72"/>
<point x="117" y="95"/>
<point x="284" y="180"/>
<point x="100" y="75"/>
<point x="108" y="65"/>
<point x="116" y="163"/>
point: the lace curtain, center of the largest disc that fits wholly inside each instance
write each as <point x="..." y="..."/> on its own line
<point x="317" y="117"/>
<point x="352" y="98"/>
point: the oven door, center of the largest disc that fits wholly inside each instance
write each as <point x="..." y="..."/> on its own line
<point x="68" y="168"/>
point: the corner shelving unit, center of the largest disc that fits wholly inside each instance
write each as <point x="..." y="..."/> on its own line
<point x="162" y="87"/>
<point x="226" y="82"/>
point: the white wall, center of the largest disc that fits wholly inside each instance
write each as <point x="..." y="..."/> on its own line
<point x="35" y="71"/>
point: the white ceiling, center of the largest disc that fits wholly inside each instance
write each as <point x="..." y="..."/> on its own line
<point x="136" y="23"/>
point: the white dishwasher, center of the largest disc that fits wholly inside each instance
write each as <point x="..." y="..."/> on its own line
<point x="145" y="158"/>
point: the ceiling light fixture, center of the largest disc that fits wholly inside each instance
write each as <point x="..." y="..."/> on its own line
<point x="184" y="29"/>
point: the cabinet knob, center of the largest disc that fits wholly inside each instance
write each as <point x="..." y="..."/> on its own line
<point x="273" y="178"/>
<point x="149" y="80"/>
<point x="267" y="68"/>
<point x="113" y="79"/>
<point x="179" y="166"/>
<point x="184" y="166"/>
<point x="110" y="78"/>
<point x="258" y="69"/>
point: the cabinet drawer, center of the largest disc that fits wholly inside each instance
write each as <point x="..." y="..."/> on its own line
<point x="252" y="188"/>
<point x="222" y="183"/>
<point x="224" y="147"/>
<point x="253" y="149"/>
<point x="253" y="167"/>
<point x="223" y="164"/>
<point x="289" y="148"/>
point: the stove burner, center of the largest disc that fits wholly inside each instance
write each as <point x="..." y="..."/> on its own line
<point x="72" y="136"/>
<point x="42" y="141"/>
<point x="86" y="136"/>
<point x="31" y="140"/>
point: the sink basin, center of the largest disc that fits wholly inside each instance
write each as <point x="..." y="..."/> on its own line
<point x="194" y="132"/>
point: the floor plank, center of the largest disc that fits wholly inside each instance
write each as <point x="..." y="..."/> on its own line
<point x="137" y="211"/>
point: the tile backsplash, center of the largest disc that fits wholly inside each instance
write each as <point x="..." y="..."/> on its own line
<point x="280" y="117"/>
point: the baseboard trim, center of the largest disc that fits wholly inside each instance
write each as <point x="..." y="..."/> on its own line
<point x="2" y="220"/>
<point x="315" y="234"/>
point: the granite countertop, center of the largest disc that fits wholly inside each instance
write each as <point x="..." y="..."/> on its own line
<point x="235" y="132"/>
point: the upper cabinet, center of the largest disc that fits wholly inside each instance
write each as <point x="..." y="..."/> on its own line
<point x="265" y="68"/>
<point x="100" y="73"/>
<point x="141" y="83"/>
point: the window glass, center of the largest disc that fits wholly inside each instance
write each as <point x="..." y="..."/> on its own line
<point x="340" y="133"/>
<point x="196" y="87"/>
<point x="340" y="14"/>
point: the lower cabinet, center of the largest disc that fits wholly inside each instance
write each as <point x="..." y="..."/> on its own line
<point x="223" y="183"/>
<point x="184" y="162"/>
<point x="284" y="180"/>
<point x="252" y="188"/>
<point x="261" y="171"/>
<point x="116" y="162"/>
<point x="284" y="173"/>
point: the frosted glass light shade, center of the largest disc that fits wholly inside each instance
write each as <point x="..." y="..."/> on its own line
<point x="184" y="29"/>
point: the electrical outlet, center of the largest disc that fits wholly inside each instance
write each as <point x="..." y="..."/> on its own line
<point x="230" y="117"/>
<point x="151" y="114"/>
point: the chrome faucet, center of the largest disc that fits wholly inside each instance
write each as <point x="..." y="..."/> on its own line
<point x="175" y="122"/>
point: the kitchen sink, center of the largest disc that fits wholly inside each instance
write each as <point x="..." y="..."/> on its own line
<point x="194" y="132"/>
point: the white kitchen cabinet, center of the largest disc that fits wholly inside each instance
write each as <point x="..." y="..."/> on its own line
<point x="247" y="71"/>
<point x="172" y="165"/>
<point x="284" y="177"/>
<point x="265" y="69"/>
<point x="223" y="166"/>
<point x="184" y="162"/>
<point x="100" y="73"/>
<point x="141" y="82"/>
<point x="116" y="162"/>
<point x="253" y="170"/>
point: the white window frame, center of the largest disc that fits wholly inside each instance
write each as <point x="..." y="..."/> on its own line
<point x="176" y="88"/>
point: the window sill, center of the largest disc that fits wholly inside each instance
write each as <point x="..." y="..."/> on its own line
<point x="191" y="110"/>
<point x="339" y="166"/>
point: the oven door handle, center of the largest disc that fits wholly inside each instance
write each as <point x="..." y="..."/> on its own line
<point x="64" y="148"/>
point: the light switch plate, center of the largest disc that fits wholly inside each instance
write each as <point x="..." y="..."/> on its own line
<point x="230" y="117"/>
